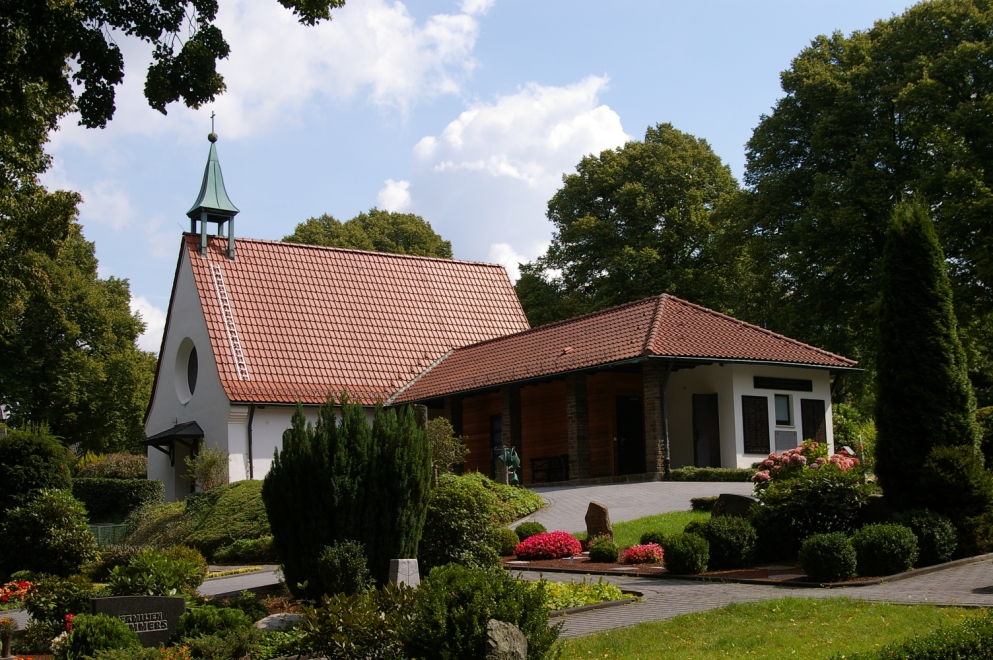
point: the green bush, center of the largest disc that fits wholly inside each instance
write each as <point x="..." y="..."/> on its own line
<point x="509" y="503"/>
<point x="971" y="639"/>
<point x="247" y="550"/>
<point x="731" y="540"/>
<point x="159" y="525"/>
<point x="116" y="466"/>
<point x="31" y="460"/>
<point x="95" y="632"/>
<point x="47" y="535"/>
<point x="457" y="529"/>
<point x="976" y="535"/>
<point x="342" y="568"/>
<point x="711" y="474"/>
<point x="455" y="603"/>
<point x="247" y="603"/>
<point x="703" y="503"/>
<point x="656" y="537"/>
<point x="109" y="558"/>
<point x="229" y="513"/>
<point x="954" y="482"/>
<point x="113" y="500"/>
<point x="37" y="637"/>
<point x="152" y="573"/>
<point x="504" y="541"/>
<point x="686" y="554"/>
<point x="184" y="554"/>
<point x="884" y="549"/>
<point x="604" y="550"/>
<point x="936" y="535"/>
<point x="828" y="557"/>
<point x="208" y="620"/>
<point x="55" y="597"/>
<point x="238" y="643"/>
<point x="529" y="529"/>
<point x="984" y="417"/>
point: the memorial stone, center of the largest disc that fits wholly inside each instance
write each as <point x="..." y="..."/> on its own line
<point x="598" y="521"/>
<point x="404" y="571"/>
<point x="732" y="505"/>
<point x="152" y="618"/>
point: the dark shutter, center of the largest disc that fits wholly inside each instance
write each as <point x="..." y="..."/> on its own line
<point x="755" y="424"/>
<point x="812" y="415"/>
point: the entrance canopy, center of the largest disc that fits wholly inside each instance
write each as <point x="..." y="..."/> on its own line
<point x="188" y="434"/>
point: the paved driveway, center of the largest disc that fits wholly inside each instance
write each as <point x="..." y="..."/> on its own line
<point x="567" y="505"/>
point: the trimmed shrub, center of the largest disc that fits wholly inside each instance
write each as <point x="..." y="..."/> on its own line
<point x="208" y="620"/>
<point x="604" y="550"/>
<point x="650" y="553"/>
<point x="711" y="474"/>
<point x="226" y="514"/>
<point x="342" y="568"/>
<point x="96" y="632"/>
<point x="237" y="643"/>
<point x="455" y="603"/>
<point x="653" y="537"/>
<point x="936" y="535"/>
<point x="954" y="482"/>
<point x="732" y="542"/>
<point x="47" y="535"/>
<point x="884" y="549"/>
<point x="31" y="460"/>
<point x="530" y="528"/>
<point x="457" y="529"/>
<point x="973" y="638"/>
<point x="55" y="597"/>
<point x="828" y="557"/>
<point x="509" y="503"/>
<point x="550" y="545"/>
<point x="984" y="417"/>
<point x="152" y="573"/>
<point x="109" y="558"/>
<point x="703" y="503"/>
<point x="184" y="554"/>
<point x="247" y="603"/>
<point x="686" y="554"/>
<point x="115" y="466"/>
<point x="247" y="550"/>
<point x="976" y="535"/>
<point x="504" y="541"/>
<point x="113" y="500"/>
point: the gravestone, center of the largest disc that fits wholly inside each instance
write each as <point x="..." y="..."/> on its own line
<point x="404" y="571"/>
<point x="505" y="641"/>
<point x="732" y="505"/>
<point x="598" y="521"/>
<point x="152" y="618"/>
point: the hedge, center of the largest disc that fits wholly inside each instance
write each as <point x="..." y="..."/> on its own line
<point x="973" y="638"/>
<point x="711" y="474"/>
<point x="113" y="500"/>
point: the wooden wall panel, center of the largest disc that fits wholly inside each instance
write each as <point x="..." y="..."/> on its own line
<point x="604" y="388"/>
<point x="543" y="423"/>
<point x="476" y="413"/>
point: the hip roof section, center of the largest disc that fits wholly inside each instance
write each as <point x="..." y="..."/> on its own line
<point x="663" y="326"/>
<point x="291" y="322"/>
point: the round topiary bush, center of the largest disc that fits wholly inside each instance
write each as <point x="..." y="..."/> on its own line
<point x="341" y="568"/>
<point x="936" y="535"/>
<point x="504" y="541"/>
<point x="47" y="535"/>
<point x="686" y="554"/>
<point x="31" y="459"/>
<point x="657" y="538"/>
<point x="96" y="632"/>
<point x="604" y="550"/>
<point x="828" y="557"/>
<point x="732" y="542"/>
<point x="458" y="528"/>
<point x="550" y="545"/>
<point x="530" y="528"/>
<point x="884" y="549"/>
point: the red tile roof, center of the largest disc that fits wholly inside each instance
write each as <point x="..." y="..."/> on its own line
<point x="305" y="320"/>
<point x="660" y="326"/>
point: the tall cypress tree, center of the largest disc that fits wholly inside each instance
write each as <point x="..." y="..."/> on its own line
<point x="923" y="395"/>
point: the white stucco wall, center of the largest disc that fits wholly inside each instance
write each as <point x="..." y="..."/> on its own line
<point x="683" y="384"/>
<point x="208" y="406"/>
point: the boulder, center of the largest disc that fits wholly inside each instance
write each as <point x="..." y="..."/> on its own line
<point x="282" y="621"/>
<point x="598" y="521"/>
<point x="732" y="505"/>
<point x="505" y="641"/>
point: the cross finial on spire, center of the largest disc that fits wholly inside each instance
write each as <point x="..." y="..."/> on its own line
<point x="212" y="121"/>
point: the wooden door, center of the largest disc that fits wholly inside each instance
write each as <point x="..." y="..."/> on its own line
<point x="706" y="431"/>
<point x="812" y="419"/>
<point x="630" y="435"/>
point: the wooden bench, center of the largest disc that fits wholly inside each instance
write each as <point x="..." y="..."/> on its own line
<point x="550" y="468"/>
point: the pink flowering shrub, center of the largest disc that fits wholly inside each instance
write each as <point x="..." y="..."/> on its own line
<point x="650" y="553"/>
<point x="792" y="462"/>
<point x="550" y="545"/>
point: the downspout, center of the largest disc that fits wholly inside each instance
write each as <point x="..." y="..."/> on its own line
<point x="666" y="461"/>
<point x="251" y="466"/>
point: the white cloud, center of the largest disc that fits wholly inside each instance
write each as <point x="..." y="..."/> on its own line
<point x="154" y="318"/>
<point x="505" y="255"/>
<point x="106" y="204"/>
<point x="472" y="7"/>
<point x="395" y="196"/>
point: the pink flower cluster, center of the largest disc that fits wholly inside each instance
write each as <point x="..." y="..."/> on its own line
<point x="792" y="461"/>
<point x="650" y="553"/>
<point x="550" y="545"/>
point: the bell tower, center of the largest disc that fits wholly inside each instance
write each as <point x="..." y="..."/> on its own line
<point x="213" y="203"/>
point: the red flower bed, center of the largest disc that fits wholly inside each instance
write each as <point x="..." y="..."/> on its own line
<point x="650" y="553"/>
<point x="550" y="545"/>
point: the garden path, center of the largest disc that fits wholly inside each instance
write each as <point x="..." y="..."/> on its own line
<point x="968" y="585"/>
<point x="567" y="505"/>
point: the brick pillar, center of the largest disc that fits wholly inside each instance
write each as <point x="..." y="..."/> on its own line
<point x="510" y="410"/>
<point x="453" y="412"/>
<point x="655" y="376"/>
<point x="578" y="420"/>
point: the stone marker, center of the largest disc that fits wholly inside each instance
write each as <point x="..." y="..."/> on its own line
<point x="732" y="505"/>
<point x="598" y="521"/>
<point x="281" y="621"/>
<point x="505" y="641"/>
<point x="404" y="571"/>
<point x="153" y="618"/>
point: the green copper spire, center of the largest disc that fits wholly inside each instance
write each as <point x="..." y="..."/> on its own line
<point x="213" y="197"/>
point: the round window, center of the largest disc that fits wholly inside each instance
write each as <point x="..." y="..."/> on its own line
<point x="187" y="370"/>
<point x="191" y="370"/>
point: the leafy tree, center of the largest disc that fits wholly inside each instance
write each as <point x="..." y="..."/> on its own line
<point x="923" y="395"/>
<point x="381" y="231"/>
<point x="633" y="222"/>
<point x="447" y="449"/>
<point x="905" y="106"/>
<point x="69" y="359"/>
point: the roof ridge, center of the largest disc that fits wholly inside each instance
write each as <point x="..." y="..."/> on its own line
<point x="653" y="326"/>
<point x="765" y="331"/>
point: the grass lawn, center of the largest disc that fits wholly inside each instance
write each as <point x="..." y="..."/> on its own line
<point x="629" y="533"/>
<point x="786" y="628"/>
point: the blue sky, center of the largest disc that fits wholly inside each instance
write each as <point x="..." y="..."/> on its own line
<point x="467" y="113"/>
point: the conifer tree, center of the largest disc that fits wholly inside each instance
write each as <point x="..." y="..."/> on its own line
<point x="923" y="395"/>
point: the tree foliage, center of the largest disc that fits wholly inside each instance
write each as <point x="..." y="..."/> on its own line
<point x="31" y="459"/>
<point x="923" y="397"/>
<point x="380" y="231"/>
<point x="447" y="449"/>
<point x="68" y="357"/>
<point x="633" y="222"/>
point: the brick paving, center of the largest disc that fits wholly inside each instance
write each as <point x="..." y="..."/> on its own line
<point x="567" y="505"/>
